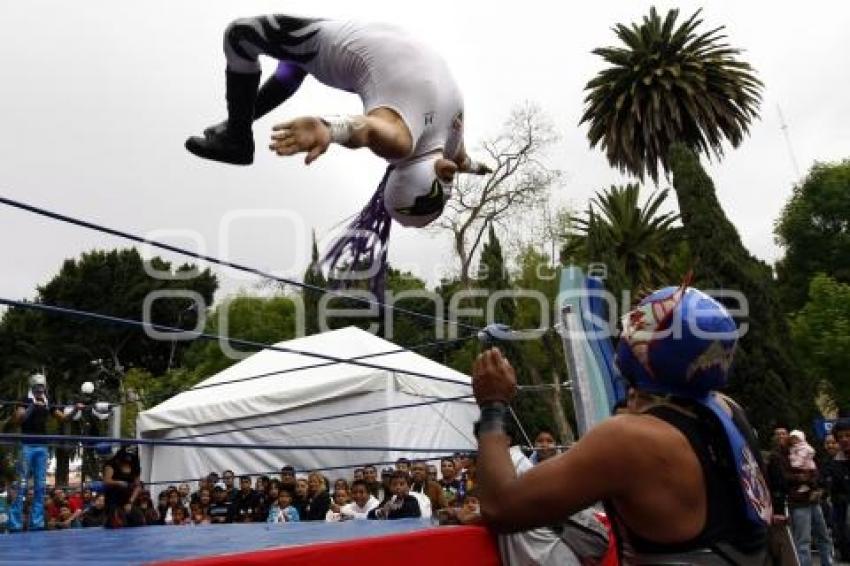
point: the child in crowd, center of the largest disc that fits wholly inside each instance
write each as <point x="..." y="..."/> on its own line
<point x="67" y="519"/>
<point x="361" y="502"/>
<point x="341" y="483"/>
<point x="471" y="504"/>
<point x="178" y="516"/>
<point x="340" y="499"/>
<point x="469" y="513"/>
<point x="802" y="454"/>
<point x="174" y="502"/>
<point x="162" y="507"/>
<point x="219" y="510"/>
<point x="95" y="515"/>
<point x="147" y="509"/>
<point x="282" y="511"/>
<point x="199" y="515"/>
<point x="399" y="503"/>
<point x="299" y="498"/>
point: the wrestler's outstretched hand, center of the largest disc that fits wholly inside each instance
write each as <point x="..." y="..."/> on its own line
<point x="306" y="134"/>
<point x="493" y="378"/>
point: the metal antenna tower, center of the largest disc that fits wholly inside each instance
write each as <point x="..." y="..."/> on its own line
<point x="784" y="127"/>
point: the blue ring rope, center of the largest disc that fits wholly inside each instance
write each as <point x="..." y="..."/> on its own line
<point x="323" y="469"/>
<point x="211" y="259"/>
<point x="207" y="336"/>
<point x="15" y="438"/>
<point x="6" y="402"/>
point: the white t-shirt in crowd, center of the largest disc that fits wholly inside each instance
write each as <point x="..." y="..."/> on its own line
<point x="354" y="511"/>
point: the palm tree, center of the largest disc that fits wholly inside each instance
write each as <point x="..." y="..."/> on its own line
<point x="635" y="242"/>
<point x="671" y="93"/>
<point x="668" y="84"/>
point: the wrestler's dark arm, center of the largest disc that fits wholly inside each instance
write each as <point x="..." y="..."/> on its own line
<point x="592" y="470"/>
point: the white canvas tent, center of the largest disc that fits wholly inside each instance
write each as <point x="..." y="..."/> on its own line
<point x="267" y="407"/>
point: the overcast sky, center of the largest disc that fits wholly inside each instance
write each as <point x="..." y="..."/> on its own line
<point x="97" y="98"/>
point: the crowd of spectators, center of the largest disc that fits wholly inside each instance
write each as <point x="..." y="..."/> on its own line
<point x="63" y="508"/>
<point x="409" y="489"/>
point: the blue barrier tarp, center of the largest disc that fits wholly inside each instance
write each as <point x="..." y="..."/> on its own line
<point x="148" y="544"/>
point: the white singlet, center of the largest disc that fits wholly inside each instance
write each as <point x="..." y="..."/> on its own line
<point x="388" y="68"/>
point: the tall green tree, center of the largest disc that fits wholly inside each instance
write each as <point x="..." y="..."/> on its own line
<point x="821" y="332"/>
<point x="668" y="83"/>
<point x="548" y="404"/>
<point x="314" y="277"/>
<point x="265" y="320"/>
<point x="636" y="242"/>
<point x="73" y="350"/>
<point x="410" y="293"/>
<point x="493" y="276"/>
<point x="814" y="229"/>
<point x="765" y="378"/>
<point x="670" y="93"/>
<point x="113" y="283"/>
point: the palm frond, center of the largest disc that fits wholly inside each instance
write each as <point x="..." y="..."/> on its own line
<point x="668" y="83"/>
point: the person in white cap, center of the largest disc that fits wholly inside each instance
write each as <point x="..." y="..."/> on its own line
<point x="32" y="413"/>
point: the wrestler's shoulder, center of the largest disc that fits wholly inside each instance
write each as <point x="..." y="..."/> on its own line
<point x="629" y="427"/>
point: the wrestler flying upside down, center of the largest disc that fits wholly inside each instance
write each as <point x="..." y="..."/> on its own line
<point x="412" y="110"/>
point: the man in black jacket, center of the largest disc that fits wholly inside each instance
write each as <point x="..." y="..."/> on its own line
<point x="246" y="502"/>
<point x="777" y="464"/>
<point x="836" y="474"/>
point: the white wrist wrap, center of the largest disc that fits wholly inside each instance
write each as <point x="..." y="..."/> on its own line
<point x="341" y="127"/>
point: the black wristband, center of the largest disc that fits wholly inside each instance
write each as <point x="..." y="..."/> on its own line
<point x="494" y="418"/>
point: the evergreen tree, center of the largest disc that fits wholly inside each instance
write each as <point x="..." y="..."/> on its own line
<point x="493" y="276"/>
<point x="543" y="361"/>
<point x="406" y="291"/>
<point x="671" y="91"/>
<point x="73" y="350"/>
<point x="765" y="379"/>
<point x="313" y="276"/>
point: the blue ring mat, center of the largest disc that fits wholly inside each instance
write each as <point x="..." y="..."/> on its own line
<point x="142" y="545"/>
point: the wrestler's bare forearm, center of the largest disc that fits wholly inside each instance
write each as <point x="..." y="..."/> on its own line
<point x="382" y="131"/>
